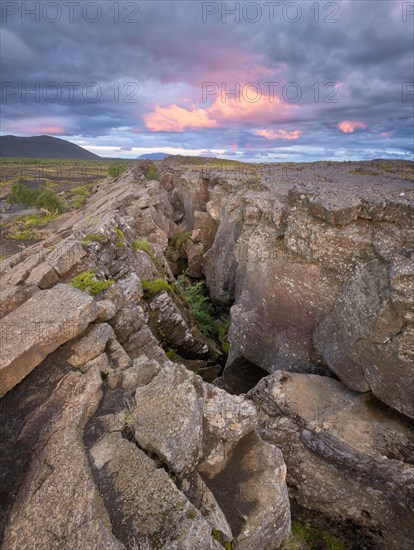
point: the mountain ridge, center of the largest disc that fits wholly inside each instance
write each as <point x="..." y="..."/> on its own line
<point x="43" y="147"/>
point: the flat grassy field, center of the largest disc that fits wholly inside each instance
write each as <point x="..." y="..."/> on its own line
<point x="71" y="180"/>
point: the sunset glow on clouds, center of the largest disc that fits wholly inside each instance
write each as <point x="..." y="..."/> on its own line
<point x="279" y="134"/>
<point x="320" y="95"/>
<point x="349" y="126"/>
<point x="223" y="112"/>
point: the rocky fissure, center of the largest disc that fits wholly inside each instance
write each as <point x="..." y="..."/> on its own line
<point x="131" y="419"/>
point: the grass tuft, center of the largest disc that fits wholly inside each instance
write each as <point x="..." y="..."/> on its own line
<point x="89" y="282"/>
<point x="151" y="288"/>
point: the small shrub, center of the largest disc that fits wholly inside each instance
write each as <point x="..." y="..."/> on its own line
<point x="89" y="282"/>
<point x="152" y="173"/>
<point x="151" y="288"/>
<point x="41" y="198"/>
<point x="48" y="200"/>
<point x="23" y="195"/>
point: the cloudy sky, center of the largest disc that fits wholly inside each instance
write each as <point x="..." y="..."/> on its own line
<point x="257" y="81"/>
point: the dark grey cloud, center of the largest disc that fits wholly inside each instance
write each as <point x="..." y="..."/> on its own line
<point x="166" y="56"/>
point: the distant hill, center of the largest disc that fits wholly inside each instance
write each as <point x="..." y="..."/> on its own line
<point x="47" y="147"/>
<point x="153" y="156"/>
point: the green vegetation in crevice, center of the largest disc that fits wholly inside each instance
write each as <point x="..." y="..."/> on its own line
<point x="172" y="355"/>
<point x="163" y="336"/>
<point x="152" y="173"/>
<point x="220" y="537"/>
<point x="120" y="238"/>
<point x="151" y="288"/>
<point x="89" y="282"/>
<point x="196" y="296"/>
<point x="94" y="238"/>
<point x="223" y="329"/>
<point x="306" y="536"/>
<point x="179" y="241"/>
<point x="145" y="246"/>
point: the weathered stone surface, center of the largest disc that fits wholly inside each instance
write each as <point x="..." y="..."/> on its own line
<point x="220" y="263"/>
<point x="91" y="345"/>
<point x="58" y="504"/>
<point x="201" y="240"/>
<point x="118" y="357"/>
<point x="38" y="327"/>
<point x="127" y="321"/>
<point x="251" y="491"/>
<point x="43" y="276"/>
<point x="293" y="247"/>
<point x="287" y="251"/>
<point x="131" y="287"/>
<point x="190" y="425"/>
<point x="22" y="270"/>
<point x="12" y="297"/>
<point x="203" y="499"/>
<point x="145" y="499"/>
<point x="365" y="340"/>
<point x="141" y="373"/>
<point x="347" y="457"/>
<point x="144" y="342"/>
<point x="227" y="418"/>
<point x="174" y="325"/>
<point x="66" y="255"/>
<point x="101" y="363"/>
<point x="169" y="419"/>
<point x="195" y="255"/>
<point x="106" y="310"/>
<point x="278" y="307"/>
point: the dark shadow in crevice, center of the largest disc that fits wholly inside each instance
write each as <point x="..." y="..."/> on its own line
<point x="242" y="375"/>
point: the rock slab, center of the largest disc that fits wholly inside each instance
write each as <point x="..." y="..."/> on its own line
<point x="38" y="327"/>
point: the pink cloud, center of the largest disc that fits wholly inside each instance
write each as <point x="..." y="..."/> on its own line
<point x="386" y="134"/>
<point x="173" y="118"/>
<point x="235" y="66"/>
<point x="349" y="126"/>
<point x="176" y="119"/>
<point x="279" y="134"/>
